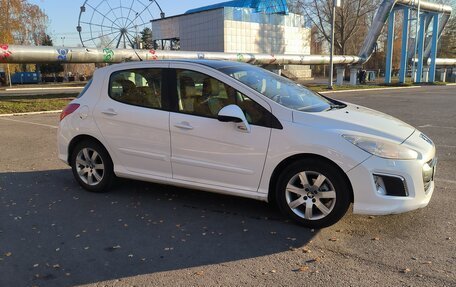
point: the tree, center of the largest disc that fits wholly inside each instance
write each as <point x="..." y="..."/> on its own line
<point x="352" y="20"/>
<point x="10" y="20"/>
<point x="146" y="38"/>
<point x="21" y="22"/>
<point x="447" y="41"/>
<point x="53" y="68"/>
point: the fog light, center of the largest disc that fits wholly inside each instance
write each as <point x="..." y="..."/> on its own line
<point x="390" y="185"/>
<point x="379" y="185"/>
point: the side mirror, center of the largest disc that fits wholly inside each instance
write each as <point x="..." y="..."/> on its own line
<point x="234" y="114"/>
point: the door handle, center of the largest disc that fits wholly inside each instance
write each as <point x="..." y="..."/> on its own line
<point x="184" y="126"/>
<point x="109" y="112"/>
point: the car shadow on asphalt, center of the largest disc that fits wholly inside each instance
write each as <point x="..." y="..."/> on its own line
<point x="54" y="233"/>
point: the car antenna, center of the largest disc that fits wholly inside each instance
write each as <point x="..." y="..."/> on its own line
<point x="134" y="50"/>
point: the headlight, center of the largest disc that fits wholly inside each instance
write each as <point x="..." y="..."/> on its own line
<point x="382" y="148"/>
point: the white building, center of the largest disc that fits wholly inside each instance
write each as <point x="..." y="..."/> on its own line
<point x="246" y="26"/>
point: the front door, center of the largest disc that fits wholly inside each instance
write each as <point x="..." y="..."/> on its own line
<point x="207" y="151"/>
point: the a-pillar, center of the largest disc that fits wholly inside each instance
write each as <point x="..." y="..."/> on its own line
<point x="353" y="76"/>
<point x="340" y="76"/>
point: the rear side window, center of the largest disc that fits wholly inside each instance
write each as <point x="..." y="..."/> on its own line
<point x="138" y="87"/>
<point x="87" y="86"/>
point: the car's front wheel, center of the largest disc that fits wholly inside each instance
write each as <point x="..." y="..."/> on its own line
<point x="312" y="192"/>
<point x="92" y="166"/>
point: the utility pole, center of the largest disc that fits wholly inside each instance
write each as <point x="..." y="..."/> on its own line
<point x="9" y="76"/>
<point x="336" y="3"/>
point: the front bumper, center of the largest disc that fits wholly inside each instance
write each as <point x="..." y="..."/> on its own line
<point x="417" y="175"/>
<point x="367" y="200"/>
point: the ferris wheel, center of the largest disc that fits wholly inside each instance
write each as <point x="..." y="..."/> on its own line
<point x="115" y="23"/>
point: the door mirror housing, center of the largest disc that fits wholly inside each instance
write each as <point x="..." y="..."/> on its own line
<point x="234" y="114"/>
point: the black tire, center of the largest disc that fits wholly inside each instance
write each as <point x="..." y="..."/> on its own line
<point x="328" y="198"/>
<point x="88" y="172"/>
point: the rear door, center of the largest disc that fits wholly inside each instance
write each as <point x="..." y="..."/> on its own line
<point x="210" y="152"/>
<point x="133" y="118"/>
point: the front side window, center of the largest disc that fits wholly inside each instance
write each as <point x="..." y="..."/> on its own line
<point x="138" y="87"/>
<point x="279" y="89"/>
<point x="202" y="95"/>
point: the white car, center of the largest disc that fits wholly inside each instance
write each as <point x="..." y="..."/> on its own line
<point x="237" y="129"/>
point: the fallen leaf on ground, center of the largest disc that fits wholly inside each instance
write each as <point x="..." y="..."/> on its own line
<point x="316" y="259"/>
<point x="302" y="269"/>
<point x="406" y="270"/>
<point x="426" y="262"/>
<point x="333" y="239"/>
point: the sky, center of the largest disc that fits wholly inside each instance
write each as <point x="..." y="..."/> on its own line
<point x="63" y="15"/>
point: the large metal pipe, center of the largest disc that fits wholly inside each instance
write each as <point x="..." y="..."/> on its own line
<point x="15" y="54"/>
<point x="382" y="14"/>
<point x="427" y="6"/>
<point x="444" y="62"/>
<point x="45" y="54"/>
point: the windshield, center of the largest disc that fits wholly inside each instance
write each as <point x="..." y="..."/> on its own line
<point x="279" y="89"/>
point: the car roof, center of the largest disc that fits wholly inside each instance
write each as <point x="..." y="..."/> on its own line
<point x="215" y="64"/>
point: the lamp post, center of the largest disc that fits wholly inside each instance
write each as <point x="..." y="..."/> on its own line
<point x="336" y="3"/>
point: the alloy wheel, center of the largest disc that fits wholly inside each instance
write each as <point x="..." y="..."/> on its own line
<point x="90" y="166"/>
<point x="310" y="195"/>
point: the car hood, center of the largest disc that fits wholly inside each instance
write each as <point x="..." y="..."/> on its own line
<point x="358" y="120"/>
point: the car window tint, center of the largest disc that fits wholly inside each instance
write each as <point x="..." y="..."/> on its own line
<point x="140" y="87"/>
<point x="202" y="95"/>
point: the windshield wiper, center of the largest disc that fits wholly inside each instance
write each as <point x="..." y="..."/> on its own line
<point x="335" y="107"/>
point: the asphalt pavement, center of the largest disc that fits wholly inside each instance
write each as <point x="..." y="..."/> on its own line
<point x="53" y="233"/>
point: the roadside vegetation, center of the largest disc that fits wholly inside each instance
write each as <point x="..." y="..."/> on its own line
<point x="26" y="104"/>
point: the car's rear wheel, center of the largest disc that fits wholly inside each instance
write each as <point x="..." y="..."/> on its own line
<point x="92" y="166"/>
<point x="313" y="193"/>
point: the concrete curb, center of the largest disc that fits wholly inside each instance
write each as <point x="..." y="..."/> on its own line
<point x="374" y="89"/>
<point x="43" y="88"/>
<point x="31" y="113"/>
